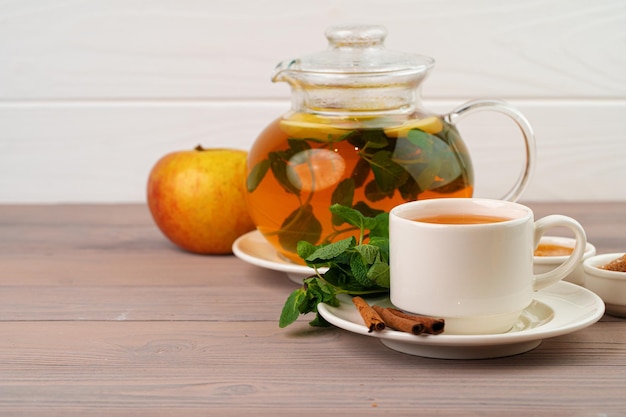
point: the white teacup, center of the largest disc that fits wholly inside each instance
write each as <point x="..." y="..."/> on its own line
<point x="478" y="277"/>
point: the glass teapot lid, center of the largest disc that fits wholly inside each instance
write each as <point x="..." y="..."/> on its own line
<point x="355" y="54"/>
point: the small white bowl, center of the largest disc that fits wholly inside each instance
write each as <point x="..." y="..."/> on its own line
<point x="609" y="285"/>
<point x="548" y="263"/>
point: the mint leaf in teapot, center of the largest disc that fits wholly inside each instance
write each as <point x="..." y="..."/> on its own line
<point x="343" y="195"/>
<point x="410" y="189"/>
<point x="301" y="224"/>
<point x="374" y="193"/>
<point x="442" y="159"/>
<point x="257" y="173"/>
<point x="366" y="210"/>
<point x="374" y="139"/>
<point x="388" y="174"/>
<point x="360" y="172"/>
<point x="279" y="167"/>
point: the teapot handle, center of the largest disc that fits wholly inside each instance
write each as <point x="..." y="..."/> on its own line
<point x="527" y="132"/>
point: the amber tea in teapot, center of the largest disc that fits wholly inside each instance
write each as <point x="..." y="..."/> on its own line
<point x="299" y="168"/>
<point x="357" y="135"/>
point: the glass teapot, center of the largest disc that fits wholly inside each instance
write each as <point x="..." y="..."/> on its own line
<point x="357" y="135"/>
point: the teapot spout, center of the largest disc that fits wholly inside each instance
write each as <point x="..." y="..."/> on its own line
<point x="283" y="72"/>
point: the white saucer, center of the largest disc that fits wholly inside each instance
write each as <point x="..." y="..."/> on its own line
<point x="557" y="310"/>
<point x="256" y="250"/>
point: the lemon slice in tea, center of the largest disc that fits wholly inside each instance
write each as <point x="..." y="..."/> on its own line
<point x="430" y="125"/>
<point x="309" y="126"/>
<point x="315" y="169"/>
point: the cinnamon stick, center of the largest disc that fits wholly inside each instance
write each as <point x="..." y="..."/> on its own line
<point x="399" y="323"/>
<point x="431" y="325"/>
<point x="372" y="319"/>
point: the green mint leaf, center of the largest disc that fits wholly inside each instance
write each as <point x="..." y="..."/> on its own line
<point x="352" y="268"/>
<point x="340" y="276"/>
<point x="305" y="249"/>
<point x="379" y="273"/>
<point x="349" y="215"/>
<point x="380" y="226"/>
<point x="369" y="253"/>
<point x="293" y="307"/>
<point x="359" y="270"/>
<point x="382" y="243"/>
<point x="306" y="299"/>
<point x="321" y="291"/>
<point x="331" y="250"/>
<point x="319" y="321"/>
<point x="256" y="175"/>
<point x="335" y="276"/>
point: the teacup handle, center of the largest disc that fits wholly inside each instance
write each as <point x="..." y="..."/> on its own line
<point x="529" y="137"/>
<point x="541" y="281"/>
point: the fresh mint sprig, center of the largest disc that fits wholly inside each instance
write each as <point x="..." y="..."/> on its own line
<point x="355" y="266"/>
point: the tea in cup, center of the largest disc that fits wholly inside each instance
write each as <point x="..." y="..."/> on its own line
<point x="470" y="260"/>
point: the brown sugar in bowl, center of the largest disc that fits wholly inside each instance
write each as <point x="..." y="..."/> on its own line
<point x="609" y="285"/>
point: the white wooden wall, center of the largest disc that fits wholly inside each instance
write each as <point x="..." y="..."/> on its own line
<point x="93" y="92"/>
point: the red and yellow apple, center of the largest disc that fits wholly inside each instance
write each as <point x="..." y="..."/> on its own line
<point x="197" y="198"/>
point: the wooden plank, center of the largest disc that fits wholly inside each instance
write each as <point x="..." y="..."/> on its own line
<point x="112" y="263"/>
<point x="228" y="368"/>
<point x="104" y="152"/>
<point x="198" y="50"/>
<point x="104" y="262"/>
<point x="196" y="346"/>
<point x="257" y="295"/>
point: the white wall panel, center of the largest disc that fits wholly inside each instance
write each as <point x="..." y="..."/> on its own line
<point x="104" y="152"/>
<point x="93" y="92"/>
<point x="208" y="49"/>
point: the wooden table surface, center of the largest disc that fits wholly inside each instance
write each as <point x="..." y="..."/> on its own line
<point x="100" y="315"/>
